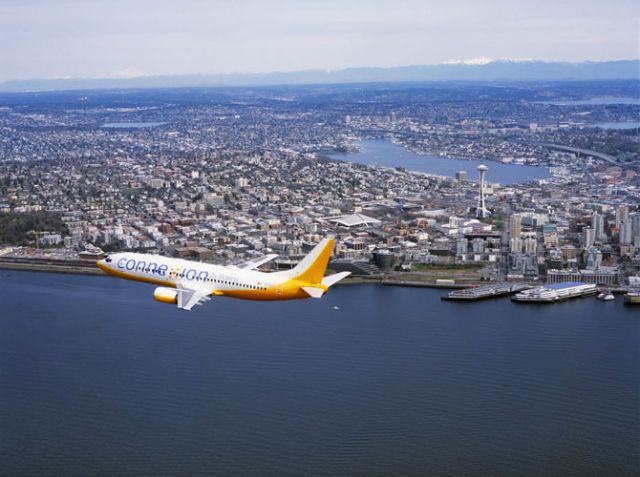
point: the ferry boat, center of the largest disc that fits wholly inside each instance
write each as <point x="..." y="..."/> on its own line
<point x="556" y="292"/>
<point x="632" y="298"/>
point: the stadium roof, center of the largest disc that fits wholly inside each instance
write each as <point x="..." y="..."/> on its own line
<point x="355" y="220"/>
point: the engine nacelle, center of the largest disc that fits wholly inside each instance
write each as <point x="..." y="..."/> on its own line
<point x="165" y="295"/>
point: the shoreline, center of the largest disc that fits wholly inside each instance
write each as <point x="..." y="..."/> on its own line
<point x="89" y="269"/>
<point x="51" y="268"/>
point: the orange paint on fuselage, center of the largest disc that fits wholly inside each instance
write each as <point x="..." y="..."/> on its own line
<point x="290" y="290"/>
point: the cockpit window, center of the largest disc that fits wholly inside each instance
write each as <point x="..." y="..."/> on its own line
<point x="107" y="259"/>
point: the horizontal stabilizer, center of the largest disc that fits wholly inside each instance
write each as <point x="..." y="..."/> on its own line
<point x="333" y="279"/>
<point x="314" y="292"/>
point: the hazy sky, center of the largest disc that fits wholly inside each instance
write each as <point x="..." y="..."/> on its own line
<point x="97" y="38"/>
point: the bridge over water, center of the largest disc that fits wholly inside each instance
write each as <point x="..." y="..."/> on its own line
<point x="587" y="152"/>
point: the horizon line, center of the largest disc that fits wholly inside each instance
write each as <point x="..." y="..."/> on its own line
<point x="474" y="62"/>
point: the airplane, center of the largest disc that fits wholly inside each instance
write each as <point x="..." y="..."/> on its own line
<point x="186" y="283"/>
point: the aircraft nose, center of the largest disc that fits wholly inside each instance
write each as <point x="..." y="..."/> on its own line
<point x="104" y="263"/>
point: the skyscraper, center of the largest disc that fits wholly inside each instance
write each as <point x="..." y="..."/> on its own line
<point x="593" y="258"/>
<point x="597" y="224"/>
<point x="635" y="224"/>
<point x="626" y="233"/>
<point x="588" y="237"/>
<point x="515" y="225"/>
<point x="515" y="245"/>
<point x="622" y="214"/>
<point x="530" y="245"/>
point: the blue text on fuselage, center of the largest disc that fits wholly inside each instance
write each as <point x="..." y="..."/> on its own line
<point x="133" y="265"/>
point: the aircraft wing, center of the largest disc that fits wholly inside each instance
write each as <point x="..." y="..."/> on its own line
<point x="255" y="262"/>
<point x="189" y="297"/>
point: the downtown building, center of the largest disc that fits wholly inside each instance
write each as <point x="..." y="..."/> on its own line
<point x="602" y="276"/>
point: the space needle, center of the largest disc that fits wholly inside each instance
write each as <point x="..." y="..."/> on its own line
<point x="481" y="209"/>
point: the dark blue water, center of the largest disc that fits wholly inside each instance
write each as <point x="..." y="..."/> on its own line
<point x="98" y="379"/>
<point x="381" y="152"/>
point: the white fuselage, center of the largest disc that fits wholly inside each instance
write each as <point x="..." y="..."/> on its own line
<point x="214" y="279"/>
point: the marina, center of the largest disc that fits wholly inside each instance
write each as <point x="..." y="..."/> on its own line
<point x="555" y="292"/>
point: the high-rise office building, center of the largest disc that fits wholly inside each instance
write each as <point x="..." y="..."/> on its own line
<point x="530" y="246"/>
<point x="515" y="245"/>
<point x="593" y="259"/>
<point x="588" y="237"/>
<point x="622" y="214"/>
<point x="626" y="233"/>
<point x="635" y="224"/>
<point x="515" y="225"/>
<point x="597" y="224"/>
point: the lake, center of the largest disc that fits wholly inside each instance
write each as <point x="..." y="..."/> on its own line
<point x="98" y="379"/>
<point x="381" y="152"/>
<point x="598" y="101"/>
<point x="620" y="125"/>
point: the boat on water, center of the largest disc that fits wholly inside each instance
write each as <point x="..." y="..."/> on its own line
<point x="632" y="298"/>
<point x="556" y="292"/>
<point x="605" y="296"/>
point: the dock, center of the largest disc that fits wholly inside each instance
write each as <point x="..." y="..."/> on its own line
<point x="483" y="292"/>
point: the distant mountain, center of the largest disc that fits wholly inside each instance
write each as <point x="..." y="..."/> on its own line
<point x="481" y="69"/>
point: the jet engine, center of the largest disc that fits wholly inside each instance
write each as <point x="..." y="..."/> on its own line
<point x="166" y="295"/>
